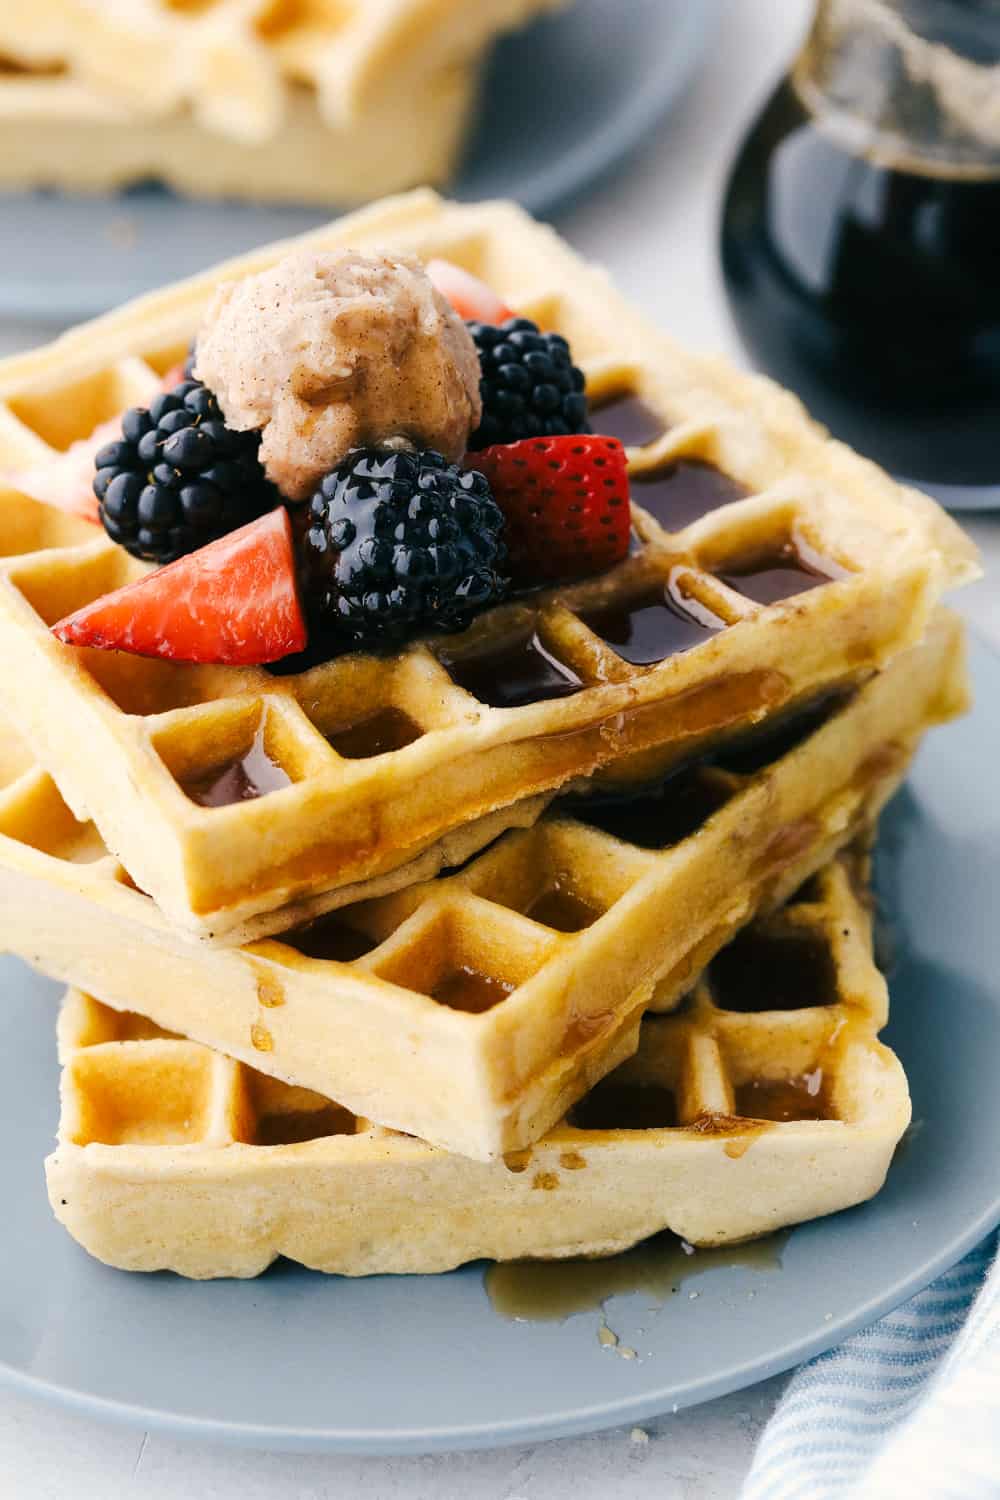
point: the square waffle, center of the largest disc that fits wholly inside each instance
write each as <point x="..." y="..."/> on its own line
<point x="755" y="1106"/>
<point x="325" y="101"/>
<point x="743" y="507"/>
<point x="474" y="1010"/>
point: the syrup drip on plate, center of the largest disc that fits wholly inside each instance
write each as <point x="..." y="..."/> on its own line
<point x="550" y="1291"/>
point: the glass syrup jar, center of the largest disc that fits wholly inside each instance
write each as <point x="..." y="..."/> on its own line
<point x="861" y="237"/>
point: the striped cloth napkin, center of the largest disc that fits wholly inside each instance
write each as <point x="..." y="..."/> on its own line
<point x="907" y="1408"/>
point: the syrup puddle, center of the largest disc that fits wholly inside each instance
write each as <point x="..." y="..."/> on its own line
<point x="550" y="1291"/>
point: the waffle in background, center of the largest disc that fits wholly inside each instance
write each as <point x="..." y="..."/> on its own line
<point x="475" y="1010"/>
<point x="747" y="1110"/>
<point x="324" y="101"/>
<point x="367" y="762"/>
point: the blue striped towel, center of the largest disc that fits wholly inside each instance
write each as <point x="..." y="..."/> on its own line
<point x="907" y="1408"/>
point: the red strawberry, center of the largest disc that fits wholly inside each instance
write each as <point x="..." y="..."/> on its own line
<point x="470" y="297"/>
<point x="235" y="601"/>
<point x="566" y="503"/>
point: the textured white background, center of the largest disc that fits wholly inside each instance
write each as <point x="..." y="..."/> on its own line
<point x="654" y="225"/>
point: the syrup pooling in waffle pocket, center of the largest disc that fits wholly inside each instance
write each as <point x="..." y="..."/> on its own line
<point x="493" y="998"/>
<point x="579" y="704"/>
<point x="726" y="1124"/>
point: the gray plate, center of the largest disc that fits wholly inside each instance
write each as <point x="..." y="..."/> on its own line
<point x="565" y="100"/>
<point x="391" y="1365"/>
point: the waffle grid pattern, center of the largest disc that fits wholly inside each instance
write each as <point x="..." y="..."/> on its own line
<point x="725" y="1125"/>
<point x="494" y="998"/>
<point x="146" y="727"/>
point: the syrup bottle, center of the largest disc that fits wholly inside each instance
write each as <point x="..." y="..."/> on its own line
<point x="861" y="237"/>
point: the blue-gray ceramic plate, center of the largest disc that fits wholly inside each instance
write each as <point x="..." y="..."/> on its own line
<point x="391" y="1365"/>
<point x="565" y="100"/>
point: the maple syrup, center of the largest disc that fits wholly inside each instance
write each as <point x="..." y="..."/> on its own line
<point x="628" y="418"/>
<point x="521" y="672"/>
<point x="658" y="817"/>
<point x="548" y="1291"/>
<point x="757" y="972"/>
<point x="871" y="289"/>
<point x="562" y="909"/>
<point x="651" y="627"/>
<point x="244" y="779"/>
<point x="784" y="1099"/>
<point x="778" y="737"/>
<point x="291" y="1127"/>
<point x="389" y="729"/>
<point x="612" y="1105"/>
<point x="684" y="491"/>
<point x="328" y="937"/>
<point x="782" y="574"/>
<point x="468" y="989"/>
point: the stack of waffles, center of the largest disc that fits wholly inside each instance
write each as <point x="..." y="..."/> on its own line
<point x="530" y="941"/>
<point x="306" y="100"/>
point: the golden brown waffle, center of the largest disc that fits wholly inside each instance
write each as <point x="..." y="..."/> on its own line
<point x="755" y="1106"/>
<point x="56" y="132"/>
<point x="123" y="736"/>
<point x="325" y="101"/>
<point x="474" y="1010"/>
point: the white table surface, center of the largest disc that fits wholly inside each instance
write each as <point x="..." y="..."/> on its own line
<point x="654" y="226"/>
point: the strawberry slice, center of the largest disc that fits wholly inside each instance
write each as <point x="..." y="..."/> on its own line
<point x="234" y="602"/>
<point x="470" y="297"/>
<point x="566" y="503"/>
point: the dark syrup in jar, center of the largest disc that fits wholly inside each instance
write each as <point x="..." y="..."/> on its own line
<point x="872" y="288"/>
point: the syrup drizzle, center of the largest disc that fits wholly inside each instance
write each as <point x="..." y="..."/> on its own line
<point x="756" y="972"/>
<point x="611" y="1105"/>
<point x="684" y="491"/>
<point x="782" y="574"/>
<point x="652" y="627"/>
<point x="628" y="418"/>
<point x="801" y="1098"/>
<point x="660" y="816"/>
<point x="244" y="779"/>
<point x="562" y="909"/>
<point x="521" y="672"/>
<point x="328" y="937"/>
<point x="468" y="989"/>
<point x="389" y="729"/>
<point x="551" y="1291"/>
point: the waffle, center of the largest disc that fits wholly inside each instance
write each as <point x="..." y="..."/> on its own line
<point x="748" y="1110"/>
<point x="124" y="736"/>
<point x="473" y="1011"/>
<point x="331" y="100"/>
<point x="56" y="132"/>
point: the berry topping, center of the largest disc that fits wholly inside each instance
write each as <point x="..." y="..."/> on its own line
<point x="399" y="543"/>
<point x="565" y="501"/>
<point x="530" y="386"/>
<point x="470" y="297"/>
<point x="235" y="602"/>
<point x="177" y="477"/>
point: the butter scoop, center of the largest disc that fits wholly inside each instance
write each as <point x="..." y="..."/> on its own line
<point x="329" y="351"/>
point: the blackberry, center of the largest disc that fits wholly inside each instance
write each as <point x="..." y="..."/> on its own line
<point x="178" y="477"/>
<point x="399" y="543"/>
<point x="530" y="385"/>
